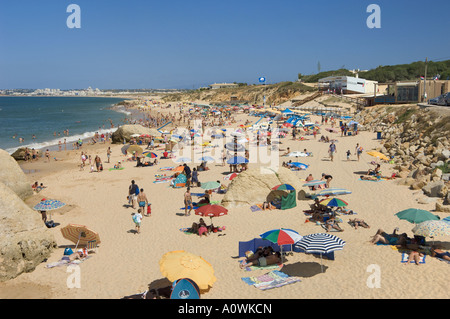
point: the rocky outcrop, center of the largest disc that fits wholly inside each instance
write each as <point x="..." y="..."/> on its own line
<point x="419" y="142"/>
<point x="24" y="240"/>
<point x="252" y="186"/>
<point x="125" y="131"/>
<point x="13" y="177"/>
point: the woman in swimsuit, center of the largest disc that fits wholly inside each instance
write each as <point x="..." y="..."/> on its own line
<point x="438" y="253"/>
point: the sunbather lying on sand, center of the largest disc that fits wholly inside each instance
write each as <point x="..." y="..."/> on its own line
<point x="438" y="253"/>
<point x="272" y="259"/>
<point x="392" y="239"/>
<point x="331" y="223"/>
<point x="358" y="223"/>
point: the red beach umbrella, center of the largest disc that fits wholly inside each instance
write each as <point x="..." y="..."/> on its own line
<point x="211" y="210"/>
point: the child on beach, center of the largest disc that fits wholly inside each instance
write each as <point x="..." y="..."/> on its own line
<point x="137" y="218"/>
<point x="348" y="155"/>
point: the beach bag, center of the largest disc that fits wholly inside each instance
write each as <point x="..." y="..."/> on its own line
<point x="149" y="209"/>
<point x="136" y="192"/>
<point x="68" y="251"/>
<point x="135" y="219"/>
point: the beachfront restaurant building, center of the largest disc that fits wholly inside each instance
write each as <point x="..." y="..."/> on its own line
<point x="412" y="91"/>
<point x="347" y="85"/>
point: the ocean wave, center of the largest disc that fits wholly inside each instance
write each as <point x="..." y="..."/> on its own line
<point x="55" y="142"/>
<point x="121" y="109"/>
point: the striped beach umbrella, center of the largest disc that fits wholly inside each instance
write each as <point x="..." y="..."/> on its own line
<point x="314" y="183"/>
<point x="284" y="187"/>
<point x="320" y="243"/>
<point x="333" y="192"/>
<point x="79" y="234"/>
<point x="282" y="236"/>
<point x="432" y="228"/>
<point x="150" y="154"/>
<point x="333" y="202"/>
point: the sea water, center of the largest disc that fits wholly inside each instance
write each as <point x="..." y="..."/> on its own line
<point x="48" y="117"/>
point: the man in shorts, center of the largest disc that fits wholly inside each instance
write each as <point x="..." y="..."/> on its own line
<point x="187" y="202"/>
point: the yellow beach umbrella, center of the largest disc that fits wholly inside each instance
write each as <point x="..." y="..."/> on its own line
<point x="134" y="148"/>
<point x="379" y="155"/>
<point x="181" y="264"/>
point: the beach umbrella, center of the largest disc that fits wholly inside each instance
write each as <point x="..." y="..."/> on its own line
<point x="178" y="168"/>
<point x="48" y="204"/>
<point x="446" y="219"/>
<point x="79" y="234"/>
<point x="282" y="236"/>
<point x="237" y="160"/>
<point x="235" y="147"/>
<point x="211" y="211"/>
<point x="207" y="159"/>
<point x="297" y="154"/>
<point x="230" y="177"/>
<point x="432" y="228"/>
<point x="333" y="192"/>
<point x="183" y="160"/>
<point x="314" y="183"/>
<point x="320" y="243"/>
<point x="333" y="202"/>
<point x="136" y="149"/>
<point x="150" y="154"/>
<point x="416" y="216"/>
<point x="210" y="185"/>
<point x="181" y="264"/>
<point x="299" y="165"/>
<point x="378" y="155"/>
<point x="284" y="187"/>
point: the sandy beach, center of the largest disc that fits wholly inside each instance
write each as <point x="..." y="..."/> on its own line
<point x="126" y="263"/>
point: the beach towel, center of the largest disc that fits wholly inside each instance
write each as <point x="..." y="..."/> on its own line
<point x="369" y="180"/>
<point x="189" y="207"/>
<point x="63" y="262"/>
<point x="405" y="257"/>
<point x="255" y="208"/>
<point x="251" y="268"/>
<point x="273" y="279"/>
<point x="116" y="169"/>
<point x="166" y="168"/>
<point x="185" y="230"/>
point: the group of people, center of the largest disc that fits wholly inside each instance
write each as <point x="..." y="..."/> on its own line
<point x="262" y="257"/>
<point x="416" y="245"/>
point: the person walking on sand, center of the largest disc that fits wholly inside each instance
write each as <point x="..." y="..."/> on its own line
<point x="187" y="202"/>
<point x="358" y="150"/>
<point x="332" y="150"/>
<point x="142" y="201"/>
<point x="47" y="154"/>
<point x="108" y="153"/>
<point x="137" y="219"/>
<point x="133" y="191"/>
<point x="98" y="162"/>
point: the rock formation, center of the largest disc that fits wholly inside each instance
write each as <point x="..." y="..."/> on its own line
<point x="124" y="132"/>
<point x="13" y="177"/>
<point x="252" y="186"/>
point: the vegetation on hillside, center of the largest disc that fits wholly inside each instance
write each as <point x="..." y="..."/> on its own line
<point x="391" y="73"/>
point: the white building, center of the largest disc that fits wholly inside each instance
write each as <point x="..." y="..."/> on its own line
<point x="347" y="85"/>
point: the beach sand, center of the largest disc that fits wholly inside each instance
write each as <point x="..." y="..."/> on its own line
<point x="126" y="263"/>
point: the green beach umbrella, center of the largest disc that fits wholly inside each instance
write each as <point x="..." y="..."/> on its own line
<point x="210" y="185"/>
<point x="416" y="216"/>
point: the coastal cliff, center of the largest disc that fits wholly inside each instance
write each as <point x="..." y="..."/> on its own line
<point x="253" y="94"/>
<point x="24" y="240"/>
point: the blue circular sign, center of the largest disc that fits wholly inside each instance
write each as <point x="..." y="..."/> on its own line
<point x="262" y="79"/>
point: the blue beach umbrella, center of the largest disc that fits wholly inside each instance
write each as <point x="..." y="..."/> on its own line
<point x="299" y="165"/>
<point x="314" y="183"/>
<point x="183" y="160"/>
<point x="237" y="160"/>
<point x="49" y="204"/>
<point x="207" y="159"/>
<point x="333" y="192"/>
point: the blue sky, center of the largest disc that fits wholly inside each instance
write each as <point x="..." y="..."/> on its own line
<point x="188" y="44"/>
